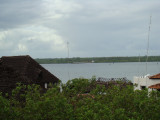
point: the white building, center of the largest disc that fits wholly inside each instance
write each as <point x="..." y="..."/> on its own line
<point x="151" y="82"/>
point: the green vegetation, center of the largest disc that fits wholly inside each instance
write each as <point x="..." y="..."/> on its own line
<point x="113" y="103"/>
<point x="97" y="59"/>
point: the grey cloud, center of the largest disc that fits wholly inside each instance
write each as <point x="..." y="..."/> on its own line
<point x="93" y="28"/>
<point x="19" y="12"/>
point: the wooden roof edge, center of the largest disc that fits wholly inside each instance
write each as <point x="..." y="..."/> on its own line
<point x="154" y="77"/>
<point x="155" y="86"/>
<point x="157" y="76"/>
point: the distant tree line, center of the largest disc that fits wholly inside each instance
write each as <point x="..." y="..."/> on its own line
<point x="97" y="59"/>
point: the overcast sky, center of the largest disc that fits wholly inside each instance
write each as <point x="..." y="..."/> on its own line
<point x="93" y="28"/>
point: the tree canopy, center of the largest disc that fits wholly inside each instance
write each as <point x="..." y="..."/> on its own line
<point x="80" y="99"/>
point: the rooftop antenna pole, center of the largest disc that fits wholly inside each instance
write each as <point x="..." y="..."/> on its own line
<point x="138" y="68"/>
<point x="68" y="58"/>
<point x="68" y="49"/>
<point x="148" y="44"/>
<point x="139" y="60"/>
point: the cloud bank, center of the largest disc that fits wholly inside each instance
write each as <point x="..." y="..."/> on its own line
<point x="42" y="28"/>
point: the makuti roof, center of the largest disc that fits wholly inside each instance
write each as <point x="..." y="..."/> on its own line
<point x="157" y="76"/>
<point x="27" y="68"/>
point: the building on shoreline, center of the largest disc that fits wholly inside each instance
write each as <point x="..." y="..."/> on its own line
<point x="150" y="82"/>
<point x="25" y="70"/>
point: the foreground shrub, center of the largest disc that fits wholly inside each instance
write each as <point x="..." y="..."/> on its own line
<point x="6" y="112"/>
<point x="80" y="99"/>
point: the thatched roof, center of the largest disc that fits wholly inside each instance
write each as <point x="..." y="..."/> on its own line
<point x="23" y="69"/>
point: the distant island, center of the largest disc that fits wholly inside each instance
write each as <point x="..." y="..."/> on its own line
<point x="78" y="60"/>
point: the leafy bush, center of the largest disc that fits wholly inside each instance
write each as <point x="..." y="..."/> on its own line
<point x="80" y="99"/>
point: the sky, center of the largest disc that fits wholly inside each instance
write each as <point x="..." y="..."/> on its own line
<point x="93" y="28"/>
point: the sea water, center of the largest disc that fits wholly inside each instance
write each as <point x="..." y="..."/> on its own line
<point x="67" y="72"/>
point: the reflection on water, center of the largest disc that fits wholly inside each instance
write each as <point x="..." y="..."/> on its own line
<point x="107" y="70"/>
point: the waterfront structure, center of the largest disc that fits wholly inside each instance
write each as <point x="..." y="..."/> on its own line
<point x="150" y="82"/>
<point x="109" y="82"/>
<point x="25" y="70"/>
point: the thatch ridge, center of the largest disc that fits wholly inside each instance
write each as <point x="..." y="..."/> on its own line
<point x="23" y="69"/>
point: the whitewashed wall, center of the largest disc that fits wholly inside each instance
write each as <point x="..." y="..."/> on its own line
<point x="144" y="81"/>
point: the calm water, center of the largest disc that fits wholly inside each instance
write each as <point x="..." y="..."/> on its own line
<point x="107" y="70"/>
